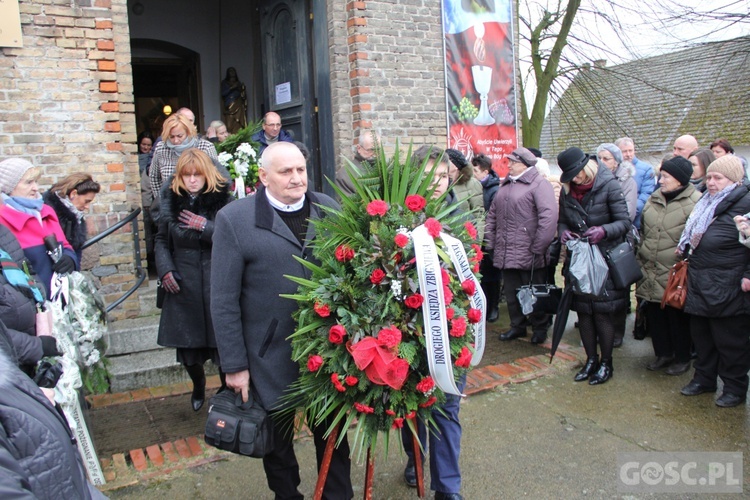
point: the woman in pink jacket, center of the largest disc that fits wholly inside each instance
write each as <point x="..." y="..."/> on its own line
<point x="30" y="220"/>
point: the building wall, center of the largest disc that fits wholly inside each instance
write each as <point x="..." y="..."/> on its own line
<point x="387" y="73"/>
<point x="66" y="105"/>
<point x="223" y="37"/>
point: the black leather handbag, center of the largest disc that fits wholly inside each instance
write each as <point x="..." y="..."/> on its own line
<point x="546" y="297"/>
<point x="242" y="428"/>
<point x="623" y="266"/>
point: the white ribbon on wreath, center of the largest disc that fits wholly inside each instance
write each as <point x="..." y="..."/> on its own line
<point x="433" y="307"/>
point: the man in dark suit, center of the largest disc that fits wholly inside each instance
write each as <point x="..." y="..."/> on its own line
<point x="255" y="239"/>
<point x="272" y="132"/>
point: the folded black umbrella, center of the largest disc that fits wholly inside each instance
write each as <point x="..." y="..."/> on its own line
<point x="561" y="319"/>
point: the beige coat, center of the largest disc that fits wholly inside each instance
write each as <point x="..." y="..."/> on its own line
<point x="661" y="226"/>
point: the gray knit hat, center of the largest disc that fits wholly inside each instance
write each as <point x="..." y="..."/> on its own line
<point x="11" y="172"/>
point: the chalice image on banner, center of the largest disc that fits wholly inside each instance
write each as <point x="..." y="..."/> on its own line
<point x="482" y="78"/>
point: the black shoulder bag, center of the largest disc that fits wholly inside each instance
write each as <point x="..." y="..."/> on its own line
<point x="242" y="428"/>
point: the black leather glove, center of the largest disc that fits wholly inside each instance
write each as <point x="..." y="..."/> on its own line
<point x="66" y="264"/>
<point x="47" y="374"/>
<point x="49" y="346"/>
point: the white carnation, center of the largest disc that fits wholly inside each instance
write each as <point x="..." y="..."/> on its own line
<point x="225" y="158"/>
<point x="241" y="167"/>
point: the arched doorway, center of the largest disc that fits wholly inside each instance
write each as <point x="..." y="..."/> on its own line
<point x="163" y="74"/>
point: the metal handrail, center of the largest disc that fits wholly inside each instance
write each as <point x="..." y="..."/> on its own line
<point x="140" y="274"/>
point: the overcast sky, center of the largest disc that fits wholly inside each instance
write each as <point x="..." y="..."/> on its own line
<point x="643" y="28"/>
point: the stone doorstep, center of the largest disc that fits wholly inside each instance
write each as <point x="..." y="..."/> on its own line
<point x="141" y="465"/>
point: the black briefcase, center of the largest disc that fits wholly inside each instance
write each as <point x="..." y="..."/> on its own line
<point x="242" y="428"/>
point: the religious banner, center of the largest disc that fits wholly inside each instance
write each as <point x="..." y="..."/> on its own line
<point x="480" y="81"/>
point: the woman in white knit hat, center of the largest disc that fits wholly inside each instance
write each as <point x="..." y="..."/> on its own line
<point x="30" y="220"/>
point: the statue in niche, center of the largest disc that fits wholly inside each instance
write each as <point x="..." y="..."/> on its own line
<point x="235" y="102"/>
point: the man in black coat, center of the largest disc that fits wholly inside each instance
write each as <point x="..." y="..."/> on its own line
<point x="255" y="241"/>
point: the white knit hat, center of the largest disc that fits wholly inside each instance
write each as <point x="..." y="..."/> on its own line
<point x="11" y="172"/>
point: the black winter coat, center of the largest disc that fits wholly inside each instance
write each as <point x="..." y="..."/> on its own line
<point x="38" y="456"/>
<point x="185" y="317"/>
<point x="719" y="262"/>
<point x="490" y="187"/>
<point x="18" y="308"/>
<point x="603" y="206"/>
<point x="75" y="231"/>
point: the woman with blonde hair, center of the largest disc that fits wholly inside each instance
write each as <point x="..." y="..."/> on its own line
<point x="183" y="245"/>
<point x="178" y="135"/>
<point x="592" y="206"/>
<point x="70" y="198"/>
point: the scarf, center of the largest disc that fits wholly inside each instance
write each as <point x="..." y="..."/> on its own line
<point x="671" y="195"/>
<point x="186" y="144"/>
<point x="578" y="191"/>
<point x="701" y="217"/>
<point x="30" y="206"/>
<point x="17" y="277"/>
<point x="69" y="205"/>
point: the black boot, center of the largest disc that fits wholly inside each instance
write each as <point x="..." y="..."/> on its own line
<point x="198" y="376"/>
<point x="592" y="364"/>
<point x="492" y="294"/>
<point x="603" y="374"/>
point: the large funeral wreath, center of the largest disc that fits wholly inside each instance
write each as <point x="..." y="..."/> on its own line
<point x="361" y="340"/>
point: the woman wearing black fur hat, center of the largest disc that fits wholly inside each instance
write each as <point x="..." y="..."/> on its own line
<point x="190" y="201"/>
<point x="592" y="206"/>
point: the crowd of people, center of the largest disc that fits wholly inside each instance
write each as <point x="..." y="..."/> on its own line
<point x="695" y="207"/>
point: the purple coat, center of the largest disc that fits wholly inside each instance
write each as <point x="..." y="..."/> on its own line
<point x="522" y="221"/>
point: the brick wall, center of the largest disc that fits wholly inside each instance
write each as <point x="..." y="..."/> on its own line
<point x="387" y="71"/>
<point x="66" y="105"/>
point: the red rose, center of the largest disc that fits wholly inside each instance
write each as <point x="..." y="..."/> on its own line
<point x="362" y="408"/>
<point x="401" y="240"/>
<point x="411" y="415"/>
<point x="446" y="276"/>
<point x="377" y="276"/>
<point x="426" y="384"/>
<point x="471" y="230"/>
<point x="322" y="309"/>
<point x="447" y="294"/>
<point x="398" y="423"/>
<point x="390" y="412"/>
<point x="344" y="253"/>
<point x="336" y="382"/>
<point x="414" y="301"/>
<point x="377" y="207"/>
<point x="314" y="362"/>
<point x="475" y="268"/>
<point x="474" y="315"/>
<point x="415" y="202"/>
<point x="469" y="286"/>
<point x="433" y="227"/>
<point x="397" y="258"/>
<point x="336" y="334"/>
<point x="458" y="327"/>
<point x="390" y="337"/>
<point x="464" y="358"/>
<point x="449" y="313"/>
<point x="351" y="380"/>
<point x="428" y="403"/>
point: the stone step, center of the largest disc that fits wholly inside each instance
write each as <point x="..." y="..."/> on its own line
<point x="133" y="335"/>
<point x="148" y="369"/>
